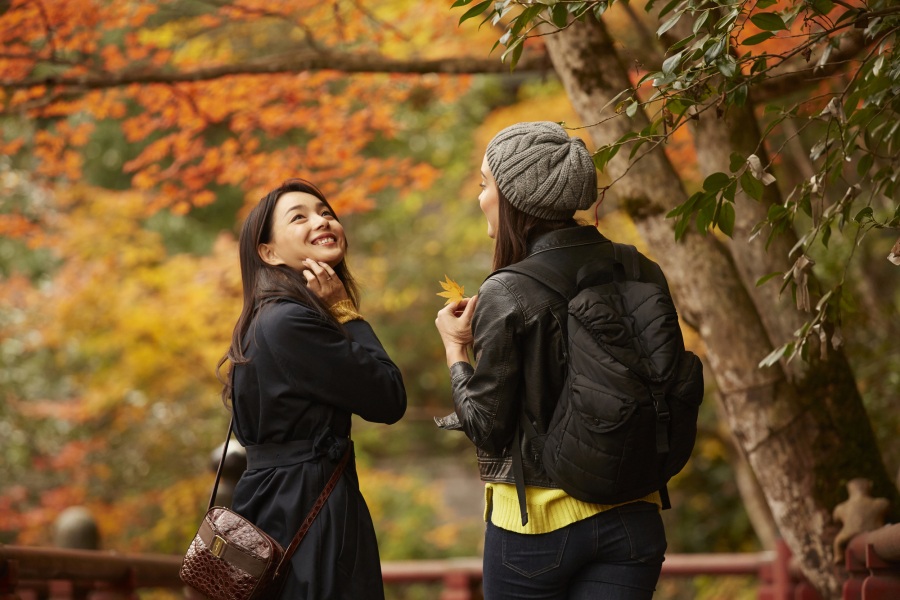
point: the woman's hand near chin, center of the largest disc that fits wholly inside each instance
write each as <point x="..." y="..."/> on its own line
<point x="324" y="282"/>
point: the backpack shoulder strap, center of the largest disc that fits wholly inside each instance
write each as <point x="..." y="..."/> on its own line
<point x="544" y="274"/>
<point x="627" y="255"/>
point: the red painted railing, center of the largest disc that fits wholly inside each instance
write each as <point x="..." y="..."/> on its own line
<point x="873" y="562"/>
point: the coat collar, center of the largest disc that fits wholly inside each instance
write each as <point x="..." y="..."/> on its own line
<point x="570" y="236"/>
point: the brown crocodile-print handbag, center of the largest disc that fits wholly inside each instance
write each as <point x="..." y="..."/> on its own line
<point x="230" y="558"/>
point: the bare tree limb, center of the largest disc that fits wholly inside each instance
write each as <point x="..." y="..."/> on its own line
<point x="295" y="63"/>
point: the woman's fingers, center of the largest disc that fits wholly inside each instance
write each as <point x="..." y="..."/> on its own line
<point x="454" y="322"/>
<point x="469" y="308"/>
<point x="321" y="273"/>
<point x="322" y="280"/>
<point x="465" y="307"/>
<point x="317" y="270"/>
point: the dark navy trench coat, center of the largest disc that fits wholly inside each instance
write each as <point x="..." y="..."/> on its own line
<point x="306" y="375"/>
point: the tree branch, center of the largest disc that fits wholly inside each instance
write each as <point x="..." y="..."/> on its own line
<point x="785" y="78"/>
<point x="297" y="62"/>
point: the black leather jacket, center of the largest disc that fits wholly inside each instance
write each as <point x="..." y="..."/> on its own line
<point x="520" y="363"/>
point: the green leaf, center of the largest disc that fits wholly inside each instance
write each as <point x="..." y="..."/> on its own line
<point x="826" y="235"/>
<point x="768" y="21"/>
<point x="673" y="20"/>
<point x="666" y="79"/>
<point x="693" y="202"/>
<point x="823" y="7"/>
<point x="739" y="98"/>
<point x="475" y="11"/>
<point x="766" y="278"/>
<point x="726" y="21"/>
<point x="701" y="21"/>
<point x="757" y="39"/>
<point x="681" y="43"/>
<point x="752" y="186"/>
<point x="736" y="161"/>
<point x="864" y="214"/>
<point x="776" y="355"/>
<point x="681" y="227"/>
<point x="714" y="51"/>
<point x="716" y="182"/>
<point x="525" y="18"/>
<point x="560" y="15"/>
<point x="601" y="157"/>
<point x="632" y="109"/>
<point x="667" y="8"/>
<point x="776" y="213"/>
<point x="759" y="65"/>
<point x="636" y="147"/>
<point x="726" y="219"/>
<point x="726" y="67"/>
<point x="865" y="163"/>
<point x="650" y="75"/>
<point x="460" y="3"/>
<point x="516" y="55"/>
<point x="670" y="64"/>
<point x="761" y="4"/>
<point x="705" y="214"/>
<point x="518" y="43"/>
<point x="625" y="137"/>
<point x="729" y="192"/>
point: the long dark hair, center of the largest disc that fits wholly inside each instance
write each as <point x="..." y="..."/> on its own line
<point x="515" y="229"/>
<point x="263" y="283"/>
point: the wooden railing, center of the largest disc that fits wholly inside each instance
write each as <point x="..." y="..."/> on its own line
<point x="35" y="573"/>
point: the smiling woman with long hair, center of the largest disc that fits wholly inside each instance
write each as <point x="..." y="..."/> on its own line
<point x="303" y="361"/>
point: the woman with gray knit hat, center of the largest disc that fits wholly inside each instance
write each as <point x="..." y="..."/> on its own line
<point x="533" y="179"/>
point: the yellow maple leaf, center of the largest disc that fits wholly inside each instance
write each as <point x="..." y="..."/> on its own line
<point x="453" y="292"/>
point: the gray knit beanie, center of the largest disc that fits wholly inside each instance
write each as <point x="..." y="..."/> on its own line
<point x="542" y="171"/>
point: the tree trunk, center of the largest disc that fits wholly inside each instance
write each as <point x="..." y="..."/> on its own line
<point x="791" y="430"/>
<point x="751" y="493"/>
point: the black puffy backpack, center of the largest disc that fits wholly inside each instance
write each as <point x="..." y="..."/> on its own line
<point x="626" y="420"/>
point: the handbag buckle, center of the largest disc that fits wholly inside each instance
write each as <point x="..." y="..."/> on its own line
<point x="218" y="546"/>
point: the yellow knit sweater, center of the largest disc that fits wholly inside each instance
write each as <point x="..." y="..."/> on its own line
<point x="548" y="509"/>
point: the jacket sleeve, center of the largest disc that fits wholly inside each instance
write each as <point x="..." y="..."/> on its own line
<point x="487" y="396"/>
<point x="352" y="372"/>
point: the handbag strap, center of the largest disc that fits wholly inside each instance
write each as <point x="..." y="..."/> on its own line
<point x="313" y="512"/>
<point x="212" y="497"/>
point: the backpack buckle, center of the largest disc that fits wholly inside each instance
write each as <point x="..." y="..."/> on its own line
<point x="662" y="422"/>
<point x="661" y="406"/>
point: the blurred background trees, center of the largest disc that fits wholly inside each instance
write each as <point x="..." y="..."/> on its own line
<point x="133" y="138"/>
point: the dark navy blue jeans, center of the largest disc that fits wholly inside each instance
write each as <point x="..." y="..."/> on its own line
<point x="615" y="555"/>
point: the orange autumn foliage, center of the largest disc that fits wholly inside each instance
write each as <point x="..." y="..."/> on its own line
<point x="125" y="333"/>
<point x="248" y="131"/>
<point x="783" y="42"/>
